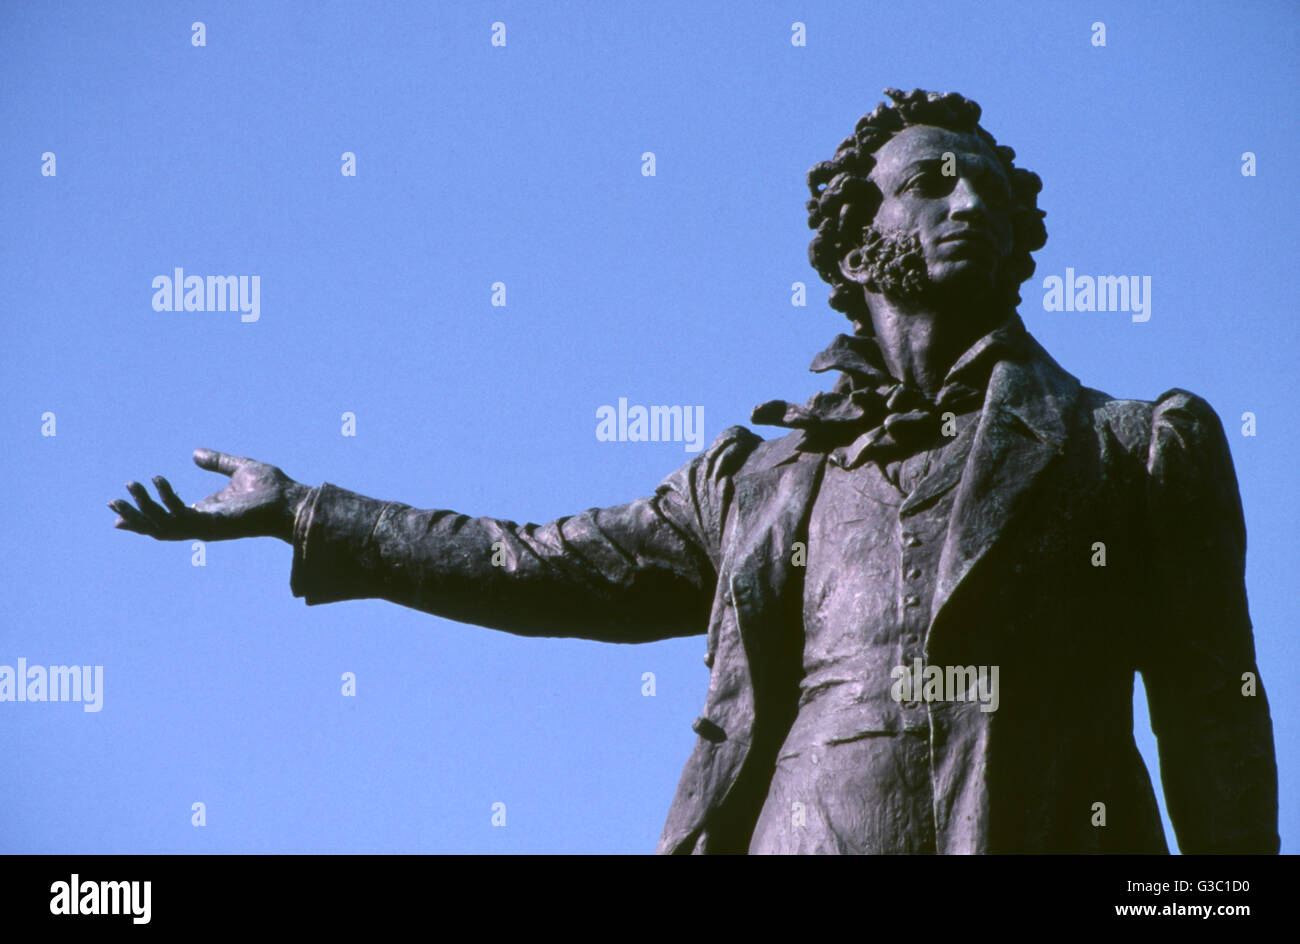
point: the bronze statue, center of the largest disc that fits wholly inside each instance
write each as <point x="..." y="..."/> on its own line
<point x="925" y="604"/>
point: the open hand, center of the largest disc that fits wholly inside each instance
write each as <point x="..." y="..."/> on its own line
<point x="259" y="501"/>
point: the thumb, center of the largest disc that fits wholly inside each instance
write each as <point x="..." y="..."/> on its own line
<point x="215" y="461"/>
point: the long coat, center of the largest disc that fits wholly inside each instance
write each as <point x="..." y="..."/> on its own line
<point x="1090" y="538"/>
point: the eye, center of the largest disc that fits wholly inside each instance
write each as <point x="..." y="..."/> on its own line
<point x="929" y="182"/>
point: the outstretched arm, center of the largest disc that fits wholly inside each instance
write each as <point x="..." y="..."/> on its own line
<point x="1207" y="704"/>
<point x="636" y="572"/>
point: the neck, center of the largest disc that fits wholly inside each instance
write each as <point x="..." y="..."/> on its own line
<point x="919" y="344"/>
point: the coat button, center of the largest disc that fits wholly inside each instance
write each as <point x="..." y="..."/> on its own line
<point x="708" y="730"/>
<point x="708" y="659"/>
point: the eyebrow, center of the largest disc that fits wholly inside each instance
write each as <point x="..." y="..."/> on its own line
<point x="925" y="163"/>
<point x="905" y="172"/>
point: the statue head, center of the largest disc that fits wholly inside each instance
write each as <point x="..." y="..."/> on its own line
<point x="921" y="204"/>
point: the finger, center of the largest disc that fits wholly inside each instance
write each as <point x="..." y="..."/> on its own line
<point x="131" y="519"/>
<point x="215" y="461"/>
<point x="148" y="507"/>
<point x="169" y="497"/>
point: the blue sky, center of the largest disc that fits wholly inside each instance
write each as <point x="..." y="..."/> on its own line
<point x="522" y="164"/>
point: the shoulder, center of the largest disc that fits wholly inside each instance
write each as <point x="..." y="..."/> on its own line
<point x="730" y="451"/>
<point x="697" y="497"/>
<point x="739" y="448"/>
<point x="1175" y="421"/>
<point x="734" y="448"/>
<point x="736" y="454"/>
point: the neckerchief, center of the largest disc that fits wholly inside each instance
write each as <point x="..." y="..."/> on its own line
<point x="879" y="415"/>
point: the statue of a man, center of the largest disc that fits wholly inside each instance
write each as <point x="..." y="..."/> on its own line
<point x="926" y="604"/>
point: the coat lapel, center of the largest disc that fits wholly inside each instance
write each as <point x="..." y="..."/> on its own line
<point x="773" y="503"/>
<point x="1021" y="430"/>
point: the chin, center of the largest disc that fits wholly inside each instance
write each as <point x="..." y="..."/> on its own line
<point x="968" y="281"/>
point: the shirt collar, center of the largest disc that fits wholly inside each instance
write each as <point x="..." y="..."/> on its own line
<point x="866" y="390"/>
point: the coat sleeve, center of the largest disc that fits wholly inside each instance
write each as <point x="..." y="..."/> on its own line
<point x="1212" y="725"/>
<point x="636" y="572"/>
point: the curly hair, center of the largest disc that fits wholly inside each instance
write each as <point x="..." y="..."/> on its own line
<point x="844" y="201"/>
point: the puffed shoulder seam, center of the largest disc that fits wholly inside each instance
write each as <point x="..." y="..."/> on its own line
<point x="1189" y="415"/>
<point x="726" y="454"/>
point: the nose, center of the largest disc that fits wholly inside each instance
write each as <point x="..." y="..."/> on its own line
<point x="965" y="202"/>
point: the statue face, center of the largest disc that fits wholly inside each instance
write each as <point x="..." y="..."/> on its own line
<point x="962" y="221"/>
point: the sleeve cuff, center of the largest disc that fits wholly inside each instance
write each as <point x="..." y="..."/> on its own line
<point x="332" y="545"/>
